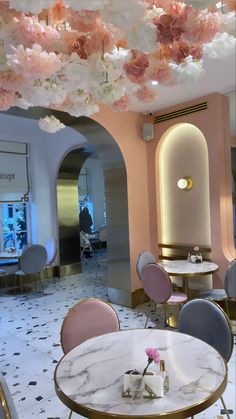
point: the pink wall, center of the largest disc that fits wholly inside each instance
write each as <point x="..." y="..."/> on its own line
<point x="126" y="129"/>
<point x="139" y="157"/>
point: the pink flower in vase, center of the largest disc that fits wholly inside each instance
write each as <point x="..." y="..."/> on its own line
<point x="153" y="356"/>
<point x="196" y="249"/>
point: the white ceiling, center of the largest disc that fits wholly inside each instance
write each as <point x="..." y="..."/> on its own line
<point x="220" y="76"/>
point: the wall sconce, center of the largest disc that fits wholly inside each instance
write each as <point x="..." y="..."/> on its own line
<point x="185" y="183"/>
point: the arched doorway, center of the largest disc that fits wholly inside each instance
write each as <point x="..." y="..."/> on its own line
<point x="99" y="141"/>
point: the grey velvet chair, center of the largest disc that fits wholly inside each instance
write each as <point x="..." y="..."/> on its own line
<point x="143" y="259"/>
<point x="32" y="262"/>
<point x="229" y="291"/>
<point x="7" y="407"/>
<point x="207" y="321"/>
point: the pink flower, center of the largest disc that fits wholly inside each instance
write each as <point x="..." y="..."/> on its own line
<point x="7" y="99"/>
<point x="34" y="63"/>
<point x="121" y="105"/>
<point x="153" y="355"/>
<point x="145" y="95"/>
<point x="100" y="40"/>
<point x="196" y="248"/>
<point x="135" y="68"/>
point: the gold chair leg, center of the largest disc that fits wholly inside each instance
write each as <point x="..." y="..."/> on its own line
<point x="141" y="303"/>
<point x="165" y="317"/>
<point x="146" y="321"/>
<point x="41" y="283"/>
<point x="70" y="414"/>
<point x="225" y="408"/>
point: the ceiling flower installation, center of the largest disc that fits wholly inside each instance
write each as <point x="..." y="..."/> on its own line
<point x="72" y="55"/>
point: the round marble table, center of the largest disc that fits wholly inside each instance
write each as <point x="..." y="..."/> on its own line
<point x="187" y="269"/>
<point x="89" y="379"/>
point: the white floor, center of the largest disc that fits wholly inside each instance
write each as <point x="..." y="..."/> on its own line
<point x="30" y="343"/>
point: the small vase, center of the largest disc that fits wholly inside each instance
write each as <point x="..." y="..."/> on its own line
<point x="136" y="386"/>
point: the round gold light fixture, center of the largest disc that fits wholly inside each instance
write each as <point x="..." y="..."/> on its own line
<point x="185" y="183"/>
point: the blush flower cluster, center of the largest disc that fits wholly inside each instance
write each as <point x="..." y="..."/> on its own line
<point x="73" y="55"/>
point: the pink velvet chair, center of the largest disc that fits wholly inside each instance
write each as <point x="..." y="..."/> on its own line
<point x="143" y="259"/>
<point x="157" y="285"/>
<point x="88" y="318"/>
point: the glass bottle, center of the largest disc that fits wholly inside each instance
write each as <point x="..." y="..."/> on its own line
<point x="164" y="375"/>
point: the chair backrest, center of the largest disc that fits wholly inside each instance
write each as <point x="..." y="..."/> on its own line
<point x="102" y="234"/>
<point x="207" y="321"/>
<point x="51" y="248"/>
<point x="143" y="259"/>
<point x="230" y="280"/>
<point x="33" y="259"/>
<point x="88" y="318"/>
<point x="7" y="407"/>
<point x="156" y="282"/>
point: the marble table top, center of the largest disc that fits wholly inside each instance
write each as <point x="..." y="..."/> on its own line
<point x="186" y="268"/>
<point x="89" y="379"/>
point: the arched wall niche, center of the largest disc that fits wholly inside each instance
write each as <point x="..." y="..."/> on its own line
<point x="183" y="215"/>
<point x="213" y="122"/>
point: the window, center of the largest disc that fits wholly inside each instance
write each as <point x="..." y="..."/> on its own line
<point x="14" y="226"/>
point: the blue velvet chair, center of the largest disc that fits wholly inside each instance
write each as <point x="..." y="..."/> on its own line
<point x="229" y="291"/>
<point x="207" y="321"/>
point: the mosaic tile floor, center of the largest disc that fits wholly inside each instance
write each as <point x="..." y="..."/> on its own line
<point x="30" y="342"/>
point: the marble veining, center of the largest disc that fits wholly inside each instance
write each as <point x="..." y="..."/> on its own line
<point x="95" y="379"/>
<point x="184" y="267"/>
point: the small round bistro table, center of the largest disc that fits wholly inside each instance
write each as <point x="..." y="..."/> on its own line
<point x="89" y="379"/>
<point x="187" y="269"/>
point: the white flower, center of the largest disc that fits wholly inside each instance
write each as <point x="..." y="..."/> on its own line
<point x="200" y="4"/>
<point x="80" y="103"/>
<point x="142" y="37"/>
<point x="44" y="93"/>
<point x="75" y="73"/>
<point x="22" y="103"/>
<point x="221" y="46"/>
<point x="188" y="70"/>
<point x="31" y="6"/>
<point x="154" y="12"/>
<point x="123" y="13"/>
<point x="85" y="4"/>
<point x="108" y="93"/>
<point x="228" y="23"/>
<point x="50" y="124"/>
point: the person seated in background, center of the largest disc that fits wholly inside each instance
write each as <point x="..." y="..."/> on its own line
<point x="85" y="221"/>
<point x="85" y="245"/>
